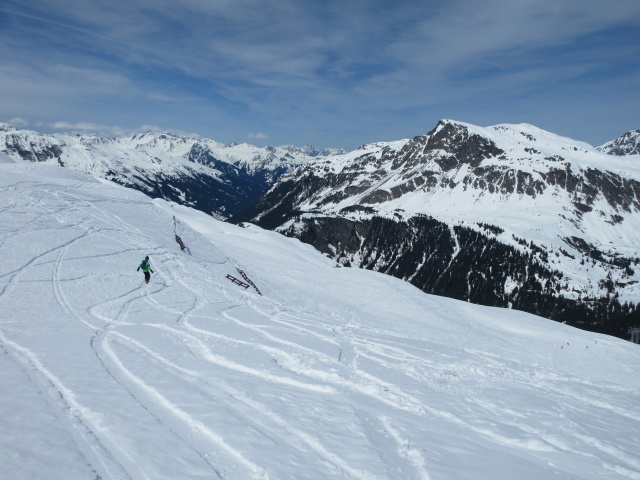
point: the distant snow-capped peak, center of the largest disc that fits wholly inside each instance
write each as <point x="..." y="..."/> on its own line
<point x="627" y="144"/>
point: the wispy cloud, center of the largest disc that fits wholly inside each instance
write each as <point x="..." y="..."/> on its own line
<point x="374" y="70"/>
<point x="18" y="122"/>
<point x="87" y="126"/>
<point x="259" y="135"/>
<point x="97" y="128"/>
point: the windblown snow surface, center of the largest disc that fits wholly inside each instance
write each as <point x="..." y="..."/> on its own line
<point x="330" y="373"/>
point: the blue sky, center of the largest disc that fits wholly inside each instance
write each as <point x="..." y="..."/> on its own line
<point x="330" y="73"/>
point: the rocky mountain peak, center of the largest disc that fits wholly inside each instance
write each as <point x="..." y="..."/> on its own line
<point x="509" y="215"/>
<point x="461" y="144"/>
<point x="627" y="144"/>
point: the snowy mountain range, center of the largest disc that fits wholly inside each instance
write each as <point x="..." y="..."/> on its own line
<point x="510" y="216"/>
<point x="329" y="373"/>
<point x="202" y="173"/>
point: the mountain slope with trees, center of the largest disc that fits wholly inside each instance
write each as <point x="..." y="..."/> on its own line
<point x="508" y="216"/>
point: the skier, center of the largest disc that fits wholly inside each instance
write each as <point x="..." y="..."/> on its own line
<point x="146" y="268"/>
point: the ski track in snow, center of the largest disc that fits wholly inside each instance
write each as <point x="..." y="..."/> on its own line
<point x="84" y="421"/>
<point x="183" y="352"/>
<point x="56" y="283"/>
<point x="166" y="411"/>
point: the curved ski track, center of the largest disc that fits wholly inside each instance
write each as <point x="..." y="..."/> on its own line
<point x="180" y="377"/>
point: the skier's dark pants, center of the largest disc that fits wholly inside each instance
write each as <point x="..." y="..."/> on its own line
<point x="147" y="277"/>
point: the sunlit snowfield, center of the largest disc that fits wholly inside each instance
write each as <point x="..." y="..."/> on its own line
<point x="330" y="373"/>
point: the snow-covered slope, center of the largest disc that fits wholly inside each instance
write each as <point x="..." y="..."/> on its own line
<point x="202" y="173"/>
<point x="500" y="202"/>
<point x="330" y="373"/>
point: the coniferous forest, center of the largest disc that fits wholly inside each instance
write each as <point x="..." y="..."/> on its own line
<point x="465" y="264"/>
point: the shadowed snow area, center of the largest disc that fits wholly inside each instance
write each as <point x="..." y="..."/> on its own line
<point x="330" y="373"/>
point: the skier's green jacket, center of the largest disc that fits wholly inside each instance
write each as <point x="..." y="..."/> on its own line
<point x="145" y="266"/>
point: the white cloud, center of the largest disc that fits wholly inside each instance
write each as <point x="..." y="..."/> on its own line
<point x="110" y="130"/>
<point x="85" y="127"/>
<point x="88" y="126"/>
<point x="259" y="135"/>
<point x="19" y="122"/>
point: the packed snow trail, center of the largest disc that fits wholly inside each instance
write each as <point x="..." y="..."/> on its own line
<point x="331" y="373"/>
